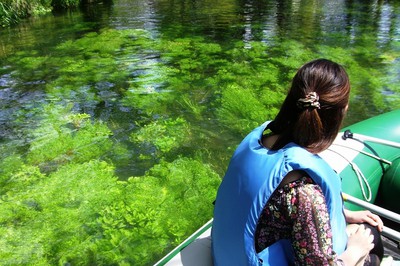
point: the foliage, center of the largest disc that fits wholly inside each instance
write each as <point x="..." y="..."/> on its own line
<point x="58" y="4"/>
<point x="232" y="102"/>
<point x="12" y="11"/>
<point x="167" y="196"/>
<point x="48" y="220"/>
<point x="165" y="135"/>
<point x="68" y="138"/>
<point x="79" y="213"/>
<point x="92" y="52"/>
<point x="169" y="110"/>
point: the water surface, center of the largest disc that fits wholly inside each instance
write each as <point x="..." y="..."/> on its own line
<point x="159" y="93"/>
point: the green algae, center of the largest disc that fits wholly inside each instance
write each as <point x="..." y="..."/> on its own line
<point x="190" y="99"/>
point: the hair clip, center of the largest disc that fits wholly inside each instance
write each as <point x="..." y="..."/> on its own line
<point x="311" y="100"/>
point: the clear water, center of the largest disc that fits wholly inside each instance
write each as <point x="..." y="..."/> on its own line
<point x="368" y="31"/>
<point x="178" y="79"/>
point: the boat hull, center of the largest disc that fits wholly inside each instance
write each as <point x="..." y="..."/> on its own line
<point x="358" y="161"/>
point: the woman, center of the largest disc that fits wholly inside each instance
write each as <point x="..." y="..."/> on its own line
<point x="279" y="202"/>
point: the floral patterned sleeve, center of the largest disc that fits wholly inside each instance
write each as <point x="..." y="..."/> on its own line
<point x="298" y="211"/>
<point x="311" y="234"/>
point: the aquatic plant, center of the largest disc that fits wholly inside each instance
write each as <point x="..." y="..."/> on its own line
<point x="240" y="105"/>
<point x="168" y="112"/>
<point x="164" y="134"/>
<point x="68" y="145"/>
<point x="49" y="205"/>
<point x="166" y="197"/>
<point x="68" y="138"/>
<point x="44" y="216"/>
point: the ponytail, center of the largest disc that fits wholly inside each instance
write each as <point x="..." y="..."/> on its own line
<point x="313" y="111"/>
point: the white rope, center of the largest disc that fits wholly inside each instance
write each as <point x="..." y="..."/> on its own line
<point x="360" y="176"/>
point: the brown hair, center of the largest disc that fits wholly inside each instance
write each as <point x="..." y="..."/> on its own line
<point x="310" y="127"/>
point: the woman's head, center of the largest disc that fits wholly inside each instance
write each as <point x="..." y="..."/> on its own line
<point x="314" y="108"/>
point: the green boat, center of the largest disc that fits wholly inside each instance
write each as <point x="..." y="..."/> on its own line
<point x="367" y="157"/>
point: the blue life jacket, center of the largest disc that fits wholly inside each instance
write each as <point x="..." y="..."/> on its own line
<point x="253" y="175"/>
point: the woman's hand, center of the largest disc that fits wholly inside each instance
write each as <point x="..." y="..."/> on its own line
<point x="358" y="217"/>
<point x="359" y="244"/>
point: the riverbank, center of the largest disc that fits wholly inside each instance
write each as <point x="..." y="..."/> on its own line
<point x="12" y="11"/>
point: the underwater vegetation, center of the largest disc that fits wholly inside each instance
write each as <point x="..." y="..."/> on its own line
<point x="61" y="203"/>
<point x="186" y="103"/>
